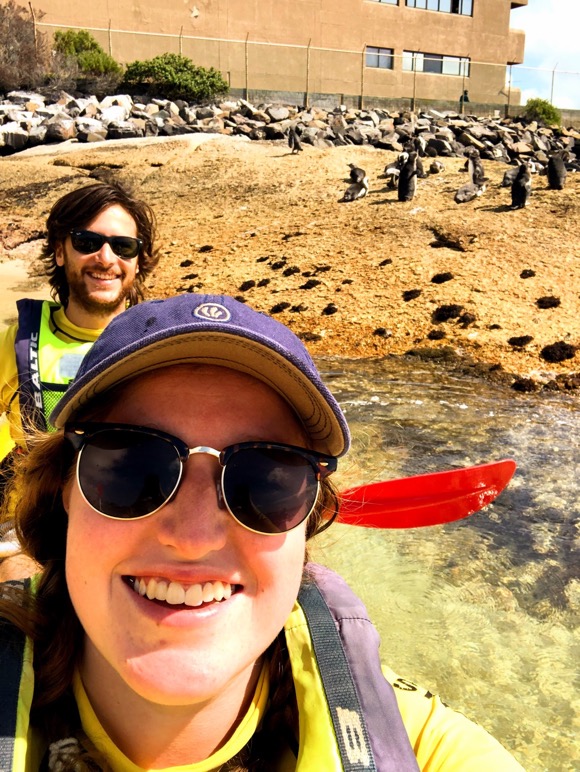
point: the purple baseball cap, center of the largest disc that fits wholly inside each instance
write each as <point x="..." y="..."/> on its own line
<point x="216" y="330"/>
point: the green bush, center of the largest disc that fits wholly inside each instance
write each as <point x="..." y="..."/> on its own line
<point x="542" y="111"/>
<point x="175" y="77"/>
<point x="81" y="46"/>
<point x="23" y="58"/>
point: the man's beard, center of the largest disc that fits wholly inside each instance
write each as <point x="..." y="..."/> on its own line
<point x="95" y="305"/>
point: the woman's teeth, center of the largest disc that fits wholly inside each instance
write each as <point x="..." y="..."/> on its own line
<point x="175" y="594"/>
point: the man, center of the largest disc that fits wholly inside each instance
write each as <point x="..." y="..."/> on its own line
<point x="98" y="253"/>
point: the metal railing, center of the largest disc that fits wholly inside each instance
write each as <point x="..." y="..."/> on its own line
<point x="312" y="74"/>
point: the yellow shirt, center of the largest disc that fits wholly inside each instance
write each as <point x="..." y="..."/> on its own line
<point x="442" y="739"/>
<point x="121" y="763"/>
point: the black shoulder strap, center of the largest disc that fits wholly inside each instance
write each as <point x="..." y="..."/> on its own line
<point x="26" y="350"/>
<point x="12" y="643"/>
<point x="341" y="694"/>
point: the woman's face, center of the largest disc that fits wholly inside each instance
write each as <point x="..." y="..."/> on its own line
<point x="180" y="654"/>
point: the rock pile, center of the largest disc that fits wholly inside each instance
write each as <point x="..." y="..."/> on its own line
<point x="29" y="119"/>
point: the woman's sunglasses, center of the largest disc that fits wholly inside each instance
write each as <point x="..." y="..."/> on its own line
<point x="128" y="472"/>
<point x="87" y="242"/>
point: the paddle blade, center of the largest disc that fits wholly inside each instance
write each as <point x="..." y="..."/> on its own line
<point x="425" y="499"/>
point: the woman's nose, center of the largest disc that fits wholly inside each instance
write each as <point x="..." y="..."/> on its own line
<point x="195" y="521"/>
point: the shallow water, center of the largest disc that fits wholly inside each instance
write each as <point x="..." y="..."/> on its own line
<point x="484" y="611"/>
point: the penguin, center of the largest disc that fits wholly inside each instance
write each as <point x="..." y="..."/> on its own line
<point x="476" y="186"/>
<point x="468" y="192"/>
<point x="408" y="178"/>
<point x="357" y="190"/>
<point x="556" y="171"/>
<point x="393" y="170"/>
<point x="356" y="173"/>
<point x="521" y="187"/>
<point x="293" y="141"/>
<point x="392" y="175"/>
<point x="418" y="145"/>
<point x="436" y="167"/>
<point x="421" y="173"/>
<point x="509" y="176"/>
<point x="475" y="168"/>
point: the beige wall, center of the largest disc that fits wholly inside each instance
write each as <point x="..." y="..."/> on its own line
<point x="337" y="24"/>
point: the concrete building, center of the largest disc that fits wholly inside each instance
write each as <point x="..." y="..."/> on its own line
<point x="382" y="49"/>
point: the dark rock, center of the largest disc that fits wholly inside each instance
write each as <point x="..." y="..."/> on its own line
<point x="263" y="283"/>
<point x="206" y="248"/>
<point x="441" y="278"/>
<point x="386" y="261"/>
<point x="298" y="309"/>
<point x="382" y="332"/>
<point x="558" y="352"/>
<point x="310" y="284"/>
<point x="519" y="341"/>
<point x="446" y="312"/>
<point x="329" y="309"/>
<point x="525" y="385"/>
<point x="291" y="270"/>
<point x="466" y="319"/>
<point x="279" y="307"/>
<point x="275" y="266"/>
<point x="411" y="294"/>
<point x="436" y="334"/>
<point x="247" y="285"/>
<point x="186" y="263"/>
<point x="310" y="337"/>
<point x="527" y="273"/>
<point x="549" y="301"/>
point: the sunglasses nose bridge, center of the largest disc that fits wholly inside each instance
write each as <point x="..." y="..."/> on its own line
<point x="206" y="450"/>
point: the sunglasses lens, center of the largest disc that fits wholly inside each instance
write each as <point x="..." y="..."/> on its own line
<point x="128" y="474"/>
<point x="269" y="490"/>
<point x="125" y="247"/>
<point x="86" y="242"/>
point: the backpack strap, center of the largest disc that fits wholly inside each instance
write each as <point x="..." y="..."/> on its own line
<point x="367" y="721"/>
<point x="12" y="645"/>
<point x="26" y="350"/>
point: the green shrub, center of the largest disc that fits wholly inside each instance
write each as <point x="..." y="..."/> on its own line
<point x="81" y="46"/>
<point x="23" y="59"/>
<point x="542" y="111"/>
<point x="175" y="77"/>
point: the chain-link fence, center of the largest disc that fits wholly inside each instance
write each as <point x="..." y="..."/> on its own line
<point x="368" y="77"/>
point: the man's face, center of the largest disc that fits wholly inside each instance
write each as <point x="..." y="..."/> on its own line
<point x="99" y="283"/>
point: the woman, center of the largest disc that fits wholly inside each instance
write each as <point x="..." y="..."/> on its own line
<point x="170" y="515"/>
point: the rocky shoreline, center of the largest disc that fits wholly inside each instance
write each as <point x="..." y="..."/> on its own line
<point x="28" y="119"/>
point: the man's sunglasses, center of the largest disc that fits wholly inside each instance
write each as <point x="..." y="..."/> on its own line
<point x="128" y="472"/>
<point x="87" y="242"/>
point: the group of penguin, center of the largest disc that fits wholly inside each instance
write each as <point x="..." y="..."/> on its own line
<point x="403" y="175"/>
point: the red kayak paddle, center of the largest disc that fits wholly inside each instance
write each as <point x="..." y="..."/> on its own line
<point x="425" y="499"/>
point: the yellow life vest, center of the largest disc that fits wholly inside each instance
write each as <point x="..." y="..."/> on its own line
<point x="46" y="364"/>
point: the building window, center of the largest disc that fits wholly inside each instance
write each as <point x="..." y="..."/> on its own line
<point x="435" y="64"/>
<point x="379" y="57"/>
<point x="461" y="7"/>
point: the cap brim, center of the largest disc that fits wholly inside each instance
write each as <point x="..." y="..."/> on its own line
<point x="313" y="403"/>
